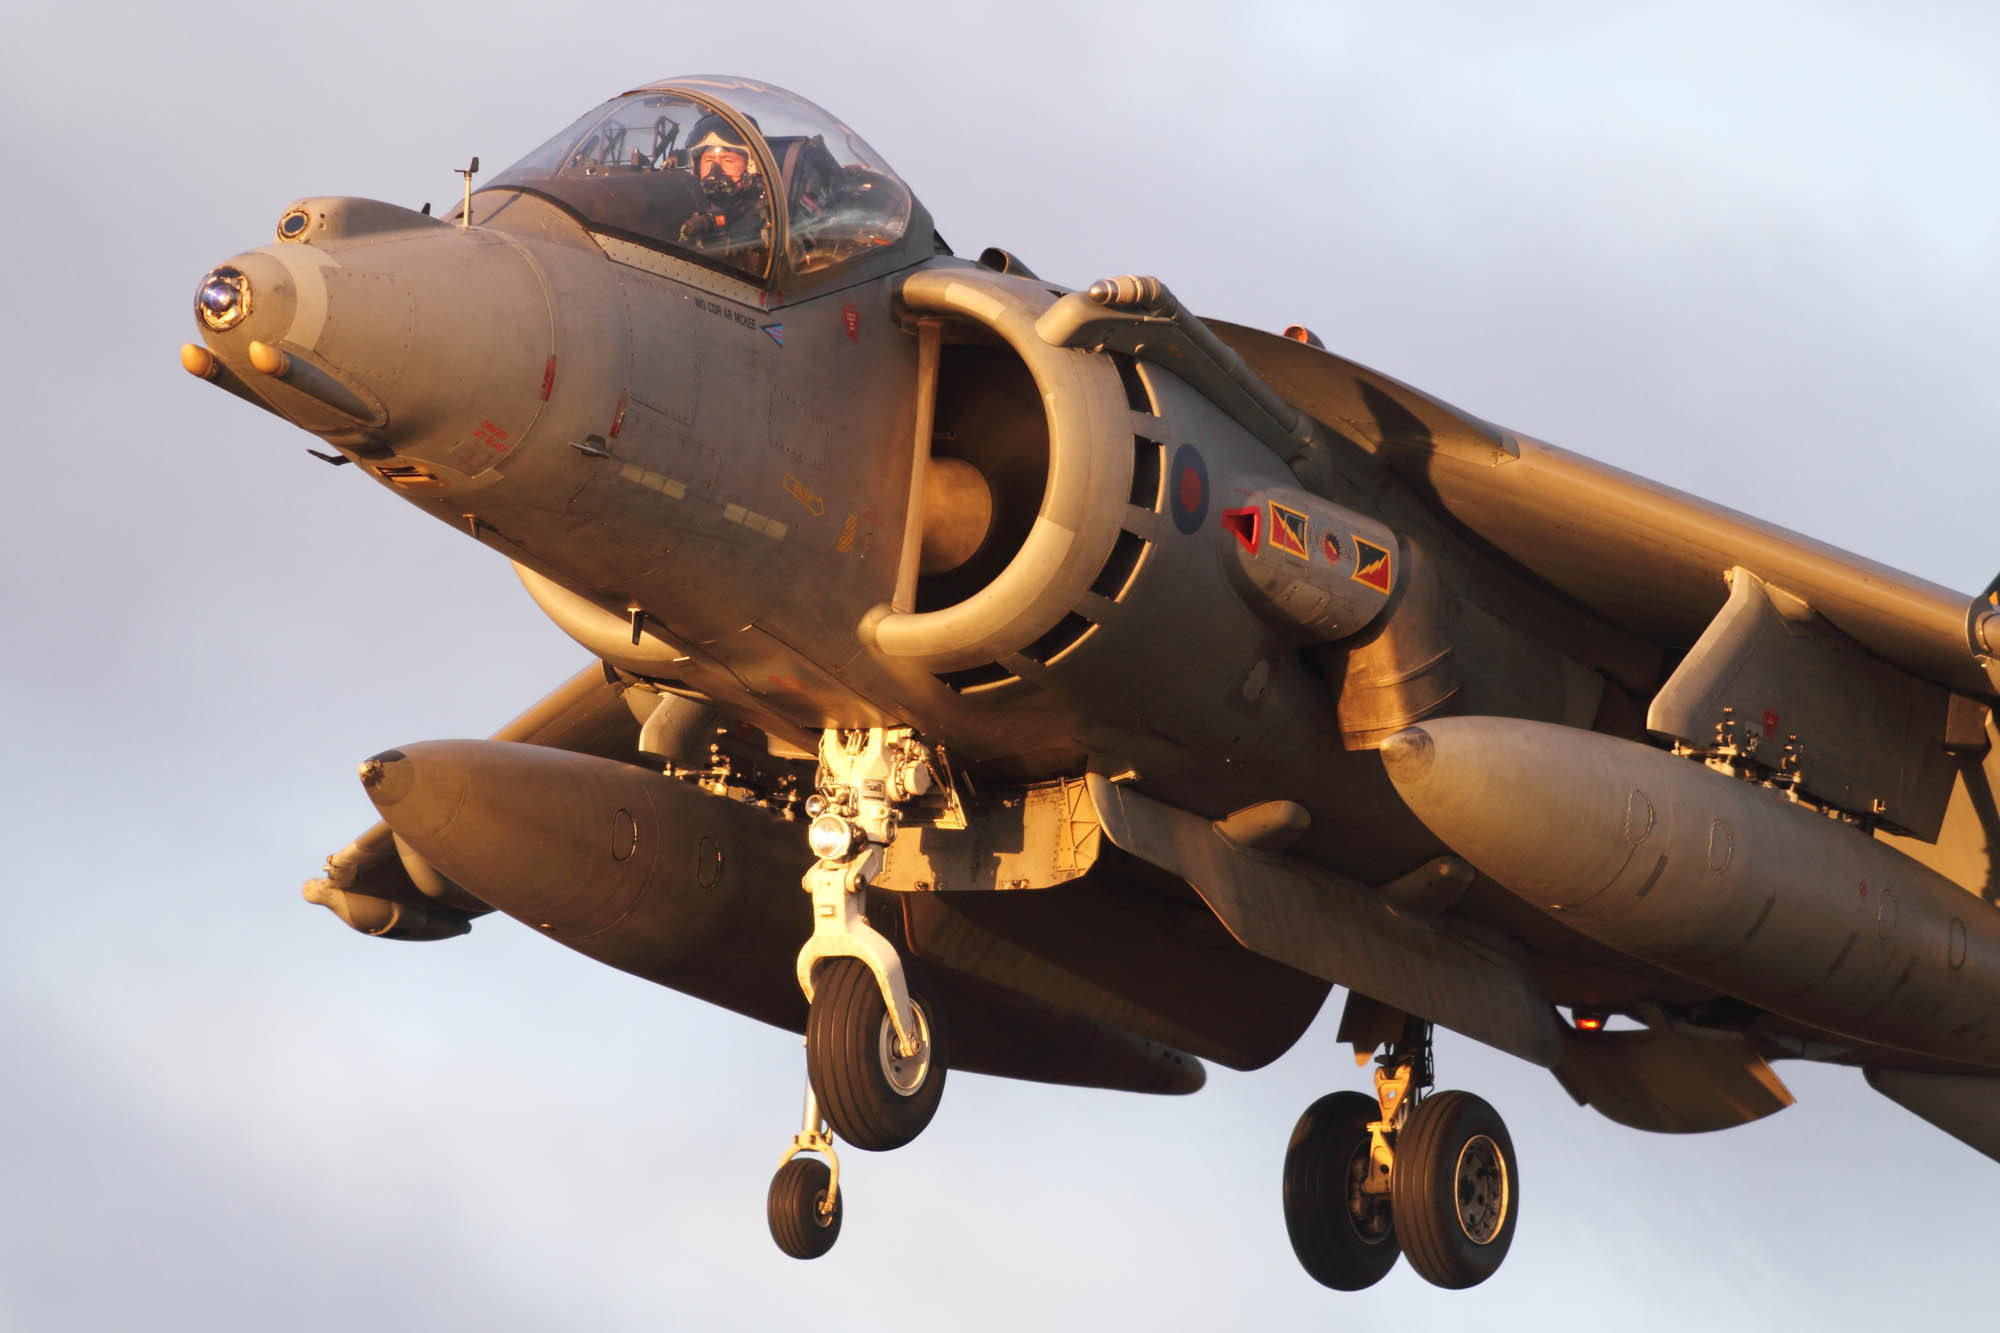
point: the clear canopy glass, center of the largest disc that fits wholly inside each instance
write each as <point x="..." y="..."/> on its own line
<point x="735" y="174"/>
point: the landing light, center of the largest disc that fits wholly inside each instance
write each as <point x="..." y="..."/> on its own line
<point x="831" y="838"/>
<point x="223" y="299"/>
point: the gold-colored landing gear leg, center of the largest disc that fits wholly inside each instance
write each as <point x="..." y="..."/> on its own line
<point x="1431" y="1176"/>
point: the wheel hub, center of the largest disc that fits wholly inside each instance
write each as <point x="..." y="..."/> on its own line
<point x="1368" y="1213"/>
<point x="1480" y="1183"/>
<point x="905" y="1074"/>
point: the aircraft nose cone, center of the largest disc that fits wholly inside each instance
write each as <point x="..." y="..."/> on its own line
<point x="249" y="297"/>
<point x="387" y="331"/>
<point x="223" y="298"/>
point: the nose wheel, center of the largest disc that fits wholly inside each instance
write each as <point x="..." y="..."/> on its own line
<point x="873" y="1095"/>
<point x="1432" y="1178"/>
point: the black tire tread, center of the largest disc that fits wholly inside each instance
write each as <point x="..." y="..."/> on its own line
<point x="841" y="1061"/>
<point x="1317" y="1225"/>
<point x="792" y="1207"/>
<point x="1423" y="1191"/>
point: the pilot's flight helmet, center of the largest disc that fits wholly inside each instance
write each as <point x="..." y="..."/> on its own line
<point x="712" y="132"/>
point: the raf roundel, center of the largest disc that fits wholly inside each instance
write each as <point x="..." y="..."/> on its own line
<point x="1187" y="489"/>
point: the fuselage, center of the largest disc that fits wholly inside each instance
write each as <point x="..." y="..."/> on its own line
<point x="723" y="480"/>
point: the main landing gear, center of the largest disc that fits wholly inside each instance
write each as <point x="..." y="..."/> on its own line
<point x="1431" y="1176"/>
<point x="875" y="1054"/>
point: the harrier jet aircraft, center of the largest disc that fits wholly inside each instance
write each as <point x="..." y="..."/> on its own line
<point x="1057" y="685"/>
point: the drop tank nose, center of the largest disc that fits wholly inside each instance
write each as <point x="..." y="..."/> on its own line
<point x="388" y="332"/>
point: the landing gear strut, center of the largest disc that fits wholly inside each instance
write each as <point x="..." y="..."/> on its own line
<point x="803" y="1206"/>
<point x="875" y="1054"/>
<point x="1431" y="1176"/>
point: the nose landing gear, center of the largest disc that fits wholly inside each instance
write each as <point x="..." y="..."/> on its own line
<point x="1431" y="1177"/>
<point x="874" y="1094"/>
<point x="875" y="1054"/>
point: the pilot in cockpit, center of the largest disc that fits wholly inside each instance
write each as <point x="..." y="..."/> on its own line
<point x="735" y="216"/>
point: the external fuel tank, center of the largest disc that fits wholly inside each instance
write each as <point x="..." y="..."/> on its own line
<point x="1717" y="879"/>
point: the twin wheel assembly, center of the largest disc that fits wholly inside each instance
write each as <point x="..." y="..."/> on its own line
<point x="1370" y="1178"/>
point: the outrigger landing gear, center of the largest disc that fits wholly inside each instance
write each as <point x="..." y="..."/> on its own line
<point x="875" y="1054"/>
<point x="1429" y="1176"/>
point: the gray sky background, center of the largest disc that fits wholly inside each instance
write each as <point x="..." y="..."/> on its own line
<point x="1747" y="249"/>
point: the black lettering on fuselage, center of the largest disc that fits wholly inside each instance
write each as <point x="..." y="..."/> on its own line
<point x="730" y="313"/>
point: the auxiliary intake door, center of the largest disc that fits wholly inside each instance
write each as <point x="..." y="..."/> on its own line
<point x="1772" y="681"/>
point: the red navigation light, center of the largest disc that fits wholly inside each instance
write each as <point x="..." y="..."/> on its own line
<point x="1587" y="1020"/>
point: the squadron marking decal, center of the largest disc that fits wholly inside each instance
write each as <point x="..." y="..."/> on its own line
<point x="777" y="332"/>
<point x="1288" y="532"/>
<point x="1371" y="565"/>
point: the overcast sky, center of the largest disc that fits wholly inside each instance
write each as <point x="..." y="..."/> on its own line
<point x="1748" y="249"/>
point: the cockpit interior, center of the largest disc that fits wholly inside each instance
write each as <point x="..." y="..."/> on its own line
<point x="732" y="174"/>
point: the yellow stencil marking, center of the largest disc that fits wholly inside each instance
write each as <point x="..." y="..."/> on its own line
<point x="798" y="491"/>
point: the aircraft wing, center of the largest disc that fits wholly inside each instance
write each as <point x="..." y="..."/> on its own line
<point x="369" y="885"/>
<point x="1641" y="554"/>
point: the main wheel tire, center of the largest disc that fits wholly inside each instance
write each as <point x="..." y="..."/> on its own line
<point x="873" y="1097"/>
<point x="1456" y="1189"/>
<point x="793" y="1208"/>
<point x="1345" y="1238"/>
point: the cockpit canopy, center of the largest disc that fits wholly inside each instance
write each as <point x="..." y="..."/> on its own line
<point x="735" y="175"/>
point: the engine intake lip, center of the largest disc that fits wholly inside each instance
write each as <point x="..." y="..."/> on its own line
<point x="1083" y="502"/>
